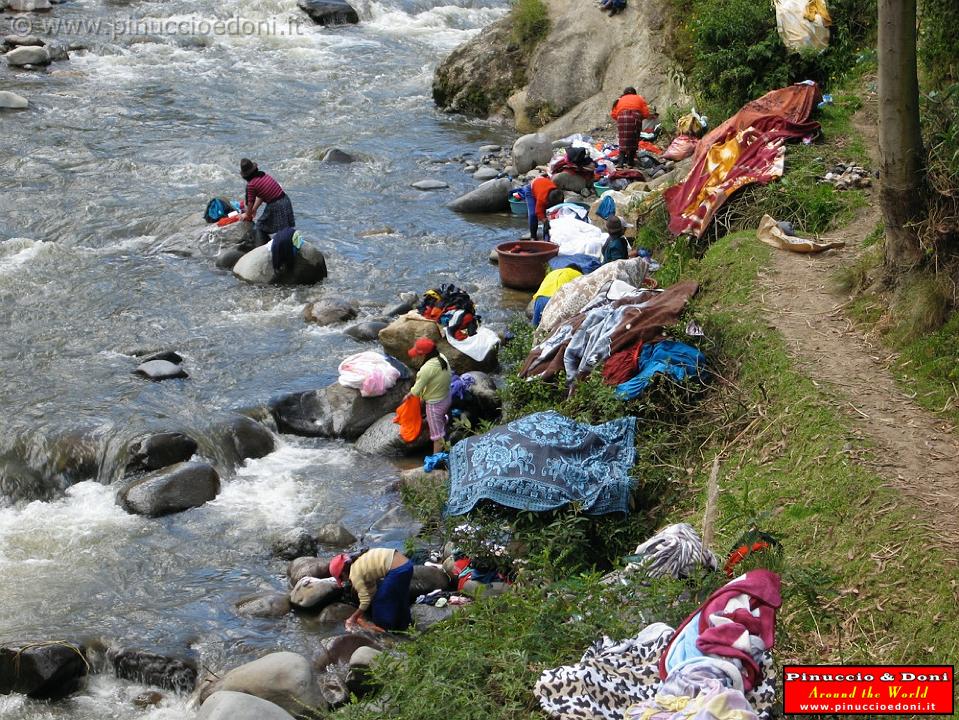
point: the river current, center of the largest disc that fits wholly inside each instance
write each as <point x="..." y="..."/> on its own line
<point x="107" y="172"/>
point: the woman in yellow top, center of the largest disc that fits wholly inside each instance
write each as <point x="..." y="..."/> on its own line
<point x="381" y="578"/>
<point x="432" y="386"/>
<point x="551" y="283"/>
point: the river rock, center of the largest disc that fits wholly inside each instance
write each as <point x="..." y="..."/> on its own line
<point x="12" y="101"/>
<point x="396" y="525"/>
<point x="485" y="173"/>
<point x="398" y="337"/>
<point x="45" y="671"/>
<point x="334" y="534"/>
<point x="175" y="489"/>
<point x="484" y="149"/>
<point x="418" y="479"/>
<point x="150" y="698"/>
<point x="58" y="51"/>
<point x="12" y="41"/>
<point x="245" y="437"/>
<point x="482" y="399"/>
<point x="340" y="648"/>
<point x="531" y="150"/>
<point x="336" y="411"/>
<point x="335" y="155"/>
<point x="329" y="12"/>
<point x="267" y="604"/>
<point x="160" y="370"/>
<point x="28" y="55"/>
<point x="490" y="197"/>
<point x="426" y="579"/>
<point x="160" y="450"/>
<point x="383" y="439"/>
<point x="307" y="566"/>
<point x="315" y="593"/>
<point x="256" y="266"/>
<point x="239" y="235"/>
<point x="329" y="311"/>
<point x="28" y="5"/>
<point x="493" y="257"/>
<point x="426" y="616"/>
<point x="168" y="355"/>
<point x="293" y="544"/>
<point x="227" y="258"/>
<point x="429" y="185"/>
<point x="283" y="678"/>
<point x="150" y="668"/>
<point x="408" y="301"/>
<point x="21" y="483"/>
<point x="571" y="182"/>
<point x="365" y="331"/>
<point x="230" y="705"/>
<point x="336" y="613"/>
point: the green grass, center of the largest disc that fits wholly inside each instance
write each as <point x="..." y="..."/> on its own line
<point x="530" y="20"/>
<point x="929" y="367"/>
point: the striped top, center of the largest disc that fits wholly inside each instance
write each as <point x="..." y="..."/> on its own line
<point x="264" y="187"/>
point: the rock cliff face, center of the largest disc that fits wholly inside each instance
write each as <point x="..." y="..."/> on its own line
<point x="570" y="80"/>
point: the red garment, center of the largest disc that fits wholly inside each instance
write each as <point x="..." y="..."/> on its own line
<point x="649" y="147"/>
<point x="409" y="416"/>
<point x="629" y="123"/>
<point x="630" y="102"/>
<point x="541" y="187"/>
<point x="622" y="366"/>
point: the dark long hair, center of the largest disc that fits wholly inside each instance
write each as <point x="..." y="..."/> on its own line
<point x="434" y="353"/>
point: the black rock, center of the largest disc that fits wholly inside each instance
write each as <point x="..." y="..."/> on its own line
<point x="228" y="257"/>
<point x="365" y="331"/>
<point x="160" y="370"/>
<point x="427" y="579"/>
<point x="45" y="671"/>
<point x="158" y="451"/>
<point x="246" y="437"/>
<point x="335" y="155"/>
<point x="149" y="668"/>
<point x="329" y="12"/>
<point x="171" y="490"/>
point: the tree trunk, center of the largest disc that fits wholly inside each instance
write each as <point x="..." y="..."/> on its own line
<point x="901" y="156"/>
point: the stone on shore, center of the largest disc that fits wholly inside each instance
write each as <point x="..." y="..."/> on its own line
<point x="426" y="185"/>
<point x="329" y="312"/>
<point x="293" y="544"/>
<point x="490" y="197"/>
<point x="571" y="182"/>
<point x="426" y="616"/>
<point x="329" y="12"/>
<point x="268" y="604"/>
<point x="231" y="705"/>
<point x="482" y="399"/>
<point x="45" y="671"/>
<point x="336" y="411"/>
<point x="12" y="101"/>
<point x="340" y="648"/>
<point x="427" y="579"/>
<point x="175" y="489"/>
<point x="485" y="173"/>
<point x="160" y="450"/>
<point x="383" y="439"/>
<point x="336" y="613"/>
<point x="283" y="678"/>
<point x="307" y="566"/>
<point x="315" y="593"/>
<point x="531" y="150"/>
<point x="484" y="149"/>
<point x="365" y="331"/>
<point x="398" y="337"/>
<point x="334" y="534"/>
<point x="28" y="55"/>
<point x="160" y="370"/>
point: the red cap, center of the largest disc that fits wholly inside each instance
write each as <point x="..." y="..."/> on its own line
<point x="336" y="567"/>
<point x="422" y="346"/>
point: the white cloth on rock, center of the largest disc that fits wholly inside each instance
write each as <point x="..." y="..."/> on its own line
<point x="476" y="346"/>
<point x="369" y="372"/>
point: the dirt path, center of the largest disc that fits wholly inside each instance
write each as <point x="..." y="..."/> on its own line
<point x="918" y="452"/>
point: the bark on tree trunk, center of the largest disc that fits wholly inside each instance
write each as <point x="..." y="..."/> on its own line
<point x="901" y="157"/>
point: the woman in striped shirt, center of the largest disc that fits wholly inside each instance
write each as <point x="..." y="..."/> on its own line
<point x="261" y="189"/>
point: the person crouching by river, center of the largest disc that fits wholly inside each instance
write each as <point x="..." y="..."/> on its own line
<point x="381" y="578"/>
<point x="432" y="386"/>
<point x="262" y="189"/>
<point x="541" y="194"/>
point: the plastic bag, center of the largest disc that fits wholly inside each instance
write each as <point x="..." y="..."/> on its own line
<point x="803" y="24"/>
<point x="369" y="372"/>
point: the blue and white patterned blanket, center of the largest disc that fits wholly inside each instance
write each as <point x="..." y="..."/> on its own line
<point x="545" y="461"/>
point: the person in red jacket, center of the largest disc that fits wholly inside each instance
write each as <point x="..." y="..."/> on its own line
<point x="541" y="194"/>
<point x="629" y="111"/>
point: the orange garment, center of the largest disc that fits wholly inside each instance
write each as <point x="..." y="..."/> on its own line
<point x="409" y="416"/>
<point x="630" y="102"/>
<point x="541" y="187"/>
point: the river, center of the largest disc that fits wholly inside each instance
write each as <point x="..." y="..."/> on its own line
<point x="121" y="148"/>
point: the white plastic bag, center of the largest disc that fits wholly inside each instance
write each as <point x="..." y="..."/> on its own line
<point x="369" y="372"/>
<point x="803" y="24"/>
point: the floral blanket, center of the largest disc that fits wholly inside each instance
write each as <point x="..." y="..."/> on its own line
<point x="545" y="461"/>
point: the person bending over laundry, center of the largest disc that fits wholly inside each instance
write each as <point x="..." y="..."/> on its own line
<point x="616" y="246"/>
<point x="629" y="111"/>
<point x="381" y="578"/>
<point x="432" y="386"/>
<point x="262" y="189"/>
<point x="541" y="194"/>
<point x="551" y="283"/>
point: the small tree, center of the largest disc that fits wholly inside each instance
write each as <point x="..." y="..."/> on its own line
<point x="901" y="157"/>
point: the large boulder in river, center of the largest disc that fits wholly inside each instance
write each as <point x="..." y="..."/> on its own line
<point x="12" y="101"/>
<point x="336" y="411"/>
<point x="244" y="438"/>
<point x="171" y="490"/>
<point x="160" y="450"/>
<point x="28" y="55"/>
<point x="307" y="566"/>
<point x="308" y="268"/>
<point x="383" y="439"/>
<point x="293" y="544"/>
<point x="398" y="337"/>
<point x="329" y="12"/>
<point x="365" y="331"/>
<point x="490" y="197"/>
<point x="46" y="671"/>
<point x="334" y="534"/>
<point x="283" y="678"/>
<point x="530" y="151"/>
<point x="150" y="668"/>
<point x="160" y="370"/>
<point x="230" y="705"/>
<point x="315" y="593"/>
<point x="330" y="311"/>
<point x="268" y="604"/>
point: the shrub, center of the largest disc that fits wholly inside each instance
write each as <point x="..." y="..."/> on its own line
<point x="530" y="22"/>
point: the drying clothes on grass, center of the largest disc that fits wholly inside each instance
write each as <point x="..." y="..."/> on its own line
<point x="369" y="372"/>
<point x="545" y="461"/>
<point x="713" y="702"/>
<point x="772" y="233"/>
<point x="573" y="297"/>
<point x="621" y="366"/>
<point x="576" y="237"/>
<point x="553" y="281"/>
<point x="747" y="148"/>
<point x="803" y="24"/>
<point x="737" y="623"/>
<point x="592" y="336"/>
<point x="676" y="360"/>
<point x="676" y="551"/>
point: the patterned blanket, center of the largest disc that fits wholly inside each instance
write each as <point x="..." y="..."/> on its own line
<point x="545" y="461"/>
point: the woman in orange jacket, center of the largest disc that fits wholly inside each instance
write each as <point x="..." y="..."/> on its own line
<point x="541" y="194"/>
<point x="629" y="111"/>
